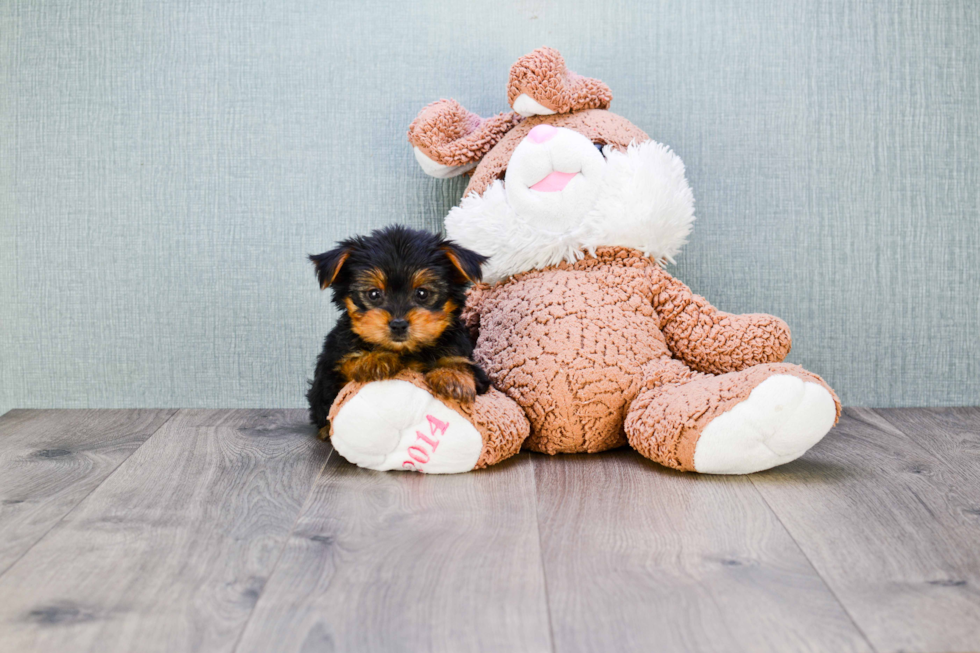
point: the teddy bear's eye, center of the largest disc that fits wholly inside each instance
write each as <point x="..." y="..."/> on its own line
<point x="599" y="147"/>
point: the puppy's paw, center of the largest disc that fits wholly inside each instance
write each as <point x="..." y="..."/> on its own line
<point x="452" y="384"/>
<point x="365" y="367"/>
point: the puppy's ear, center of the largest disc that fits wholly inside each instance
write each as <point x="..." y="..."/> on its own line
<point x="465" y="261"/>
<point x="328" y="265"/>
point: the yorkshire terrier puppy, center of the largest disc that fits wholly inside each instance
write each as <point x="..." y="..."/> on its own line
<point x="401" y="292"/>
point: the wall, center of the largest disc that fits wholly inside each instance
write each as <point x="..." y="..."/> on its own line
<point x="166" y="167"/>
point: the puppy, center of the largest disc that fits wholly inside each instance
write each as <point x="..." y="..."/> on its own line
<point x="401" y="292"/>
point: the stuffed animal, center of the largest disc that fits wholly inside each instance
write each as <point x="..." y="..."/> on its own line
<point x="589" y="342"/>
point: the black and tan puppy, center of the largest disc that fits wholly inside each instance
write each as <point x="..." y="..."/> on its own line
<point x="401" y="291"/>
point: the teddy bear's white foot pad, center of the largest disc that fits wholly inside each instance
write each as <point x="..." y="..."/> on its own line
<point x="396" y="425"/>
<point x="778" y="422"/>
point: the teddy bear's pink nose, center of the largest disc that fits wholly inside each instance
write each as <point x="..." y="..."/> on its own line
<point x="542" y="133"/>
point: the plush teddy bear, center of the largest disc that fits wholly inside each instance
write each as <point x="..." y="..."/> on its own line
<point x="589" y="342"/>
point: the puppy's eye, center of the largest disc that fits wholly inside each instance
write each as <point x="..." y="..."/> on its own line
<point x="374" y="294"/>
<point x="422" y="294"/>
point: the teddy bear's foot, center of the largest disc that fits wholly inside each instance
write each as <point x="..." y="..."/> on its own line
<point x="779" y="421"/>
<point x="395" y="425"/>
<point x="399" y="425"/>
<point x="735" y="423"/>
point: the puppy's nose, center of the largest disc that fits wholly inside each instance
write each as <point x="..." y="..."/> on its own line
<point x="399" y="327"/>
<point x="542" y="133"/>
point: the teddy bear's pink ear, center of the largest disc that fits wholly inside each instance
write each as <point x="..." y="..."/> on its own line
<point x="449" y="140"/>
<point x="541" y="85"/>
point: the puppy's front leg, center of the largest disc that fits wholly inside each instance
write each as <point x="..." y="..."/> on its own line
<point x="327" y="381"/>
<point x="452" y="377"/>
<point x="367" y="366"/>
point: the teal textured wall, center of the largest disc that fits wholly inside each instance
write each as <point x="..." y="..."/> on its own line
<point x="166" y="166"/>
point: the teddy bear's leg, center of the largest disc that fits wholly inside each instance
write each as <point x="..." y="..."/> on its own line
<point x="399" y="424"/>
<point x="735" y="423"/>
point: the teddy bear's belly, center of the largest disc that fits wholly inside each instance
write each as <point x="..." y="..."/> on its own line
<point x="571" y="354"/>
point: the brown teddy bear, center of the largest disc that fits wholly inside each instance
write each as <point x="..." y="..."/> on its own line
<point x="589" y="343"/>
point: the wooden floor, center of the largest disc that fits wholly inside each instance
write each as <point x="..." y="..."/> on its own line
<point x="207" y="530"/>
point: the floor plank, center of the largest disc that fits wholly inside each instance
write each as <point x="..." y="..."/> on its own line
<point x="52" y="459"/>
<point x="892" y="527"/>
<point x="119" y="540"/>
<point x="952" y="434"/>
<point x="638" y="558"/>
<point x="403" y="562"/>
<point x="171" y="552"/>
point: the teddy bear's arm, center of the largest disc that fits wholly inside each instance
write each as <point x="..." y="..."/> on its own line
<point x="713" y="341"/>
<point x="470" y="315"/>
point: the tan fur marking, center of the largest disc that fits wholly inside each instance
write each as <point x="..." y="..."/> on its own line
<point x="426" y="326"/>
<point x="454" y="362"/>
<point x="373" y="278"/>
<point x="414" y="365"/>
<point x="371" y="325"/>
<point x="424" y="276"/>
<point x="366" y="366"/>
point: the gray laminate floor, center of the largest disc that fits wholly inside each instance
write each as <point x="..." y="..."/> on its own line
<point x="236" y="530"/>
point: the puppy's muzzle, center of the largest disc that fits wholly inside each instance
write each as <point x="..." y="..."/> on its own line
<point x="398" y="328"/>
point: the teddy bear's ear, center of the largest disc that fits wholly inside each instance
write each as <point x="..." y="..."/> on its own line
<point x="541" y="85"/>
<point x="449" y="140"/>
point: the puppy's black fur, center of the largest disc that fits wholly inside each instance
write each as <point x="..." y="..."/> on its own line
<point x="401" y="292"/>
